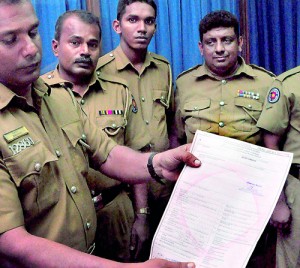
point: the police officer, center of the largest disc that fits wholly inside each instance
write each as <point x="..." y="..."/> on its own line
<point x="149" y="78"/>
<point x="109" y="103"/>
<point x="280" y="121"/>
<point x="224" y="96"/>
<point x="47" y="215"/>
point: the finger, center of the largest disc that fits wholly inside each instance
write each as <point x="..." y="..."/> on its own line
<point x="191" y="160"/>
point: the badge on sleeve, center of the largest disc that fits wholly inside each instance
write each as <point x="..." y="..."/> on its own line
<point x="274" y="95"/>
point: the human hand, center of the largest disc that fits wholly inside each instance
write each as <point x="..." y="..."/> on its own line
<point x="168" y="164"/>
<point x="281" y="217"/>
<point x="140" y="238"/>
<point x="160" y="263"/>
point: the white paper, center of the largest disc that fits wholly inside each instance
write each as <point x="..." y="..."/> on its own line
<point x="217" y="212"/>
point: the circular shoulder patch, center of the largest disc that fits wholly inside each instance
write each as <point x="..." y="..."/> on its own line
<point x="274" y="95"/>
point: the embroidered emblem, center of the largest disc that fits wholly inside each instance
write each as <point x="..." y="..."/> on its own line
<point x="274" y="95"/>
<point x="21" y="145"/>
<point x="109" y="112"/>
<point x="15" y="134"/>
<point x="248" y="94"/>
<point x="134" y="106"/>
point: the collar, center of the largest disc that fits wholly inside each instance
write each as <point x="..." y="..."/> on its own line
<point x="123" y="61"/>
<point x="243" y="69"/>
<point x="39" y="88"/>
<point x="53" y="79"/>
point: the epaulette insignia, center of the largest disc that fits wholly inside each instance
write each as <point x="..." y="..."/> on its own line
<point x="134" y="106"/>
<point x="274" y="95"/>
<point x="110" y="112"/>
<point x="188" y="70"/>
<point x="105" y="60"/>
<point x="262" y="69"/>
<point x="248" y="94"/>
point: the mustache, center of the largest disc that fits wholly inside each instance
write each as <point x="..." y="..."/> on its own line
<point x="84" y="60"/>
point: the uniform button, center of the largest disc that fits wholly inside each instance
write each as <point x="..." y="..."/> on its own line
<point x="114" y="125"/>
<point x="98" y="73"/>
<point x="222" y="103"/>
<point x="224" y="82"/>
<point x="111" y="55"/>
<point x="195" y="108"/>
<point x="221" y="124"/>
<point x="82" y="101"/>
<point x="143" y="99"/>
<point x="147" y="122"/>
<point x="74" y="189"/>
<point x="88" y="225"/>
<point x="83" y="136"/>
<point x="49" y="76"/>
<point x="58" y="154"/>
<point x="250" y="106"/>
<point x="37" y="167"/>
<point x="162" y="97"/>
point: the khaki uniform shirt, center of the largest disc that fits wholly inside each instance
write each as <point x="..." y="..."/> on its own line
<point x="281" y="113"/>
<point x="151" y="88"/>
<point x="228" y="107"/>
<point x="43" y="165"/>
<point x="110" y="105"/>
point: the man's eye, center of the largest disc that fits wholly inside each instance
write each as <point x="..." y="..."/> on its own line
<point x="228" y="41"/>
<point x="132" y="20"/>
<point x="9" y="41"/>
<point x="209" y="42"/>
<point x="95" y="45"/>
<point x="74" y="43"/>
<point x="150" y="21"/>
<point x="33" y="34"/>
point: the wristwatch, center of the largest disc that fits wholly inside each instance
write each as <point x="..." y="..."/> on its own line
<point x="145" y="210"/>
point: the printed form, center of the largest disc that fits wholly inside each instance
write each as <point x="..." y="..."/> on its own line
<point x="217" y="212"/>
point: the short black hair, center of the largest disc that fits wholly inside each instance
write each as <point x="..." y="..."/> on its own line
<point x="122" y="4"/>
<point x="219" y="18"/>
<point x="83" y="15"/>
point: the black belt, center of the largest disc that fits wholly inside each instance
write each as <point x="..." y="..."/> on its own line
<point x="295" y="170"/>
<point x="101" y="199"/>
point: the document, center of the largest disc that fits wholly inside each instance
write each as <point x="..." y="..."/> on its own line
<point x="217" y="212"/>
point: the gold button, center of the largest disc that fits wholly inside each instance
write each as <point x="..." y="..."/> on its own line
<point x="37" y="167"/>
<point x="143" y="99"/>
<point x="222" y="103"/>
<point x="82" y="101"/>
<point x="83" y="136"/>
<point x="113" y="125"/>
<point x="111" y="55"/>
<point x="74" y="189"/>
<point x="249" y="106"/>
<point x="162" y="97"/>
<point x="221" y="124"/>
<point x="195" y="108"/>
<point x="224" y="82"/>
<point x="50" y="76"/>
<point x="147" y="122"/>
<point x="88" y="225"/>
<point x="98" y="73"/>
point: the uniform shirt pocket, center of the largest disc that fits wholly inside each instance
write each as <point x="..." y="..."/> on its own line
<point x="160" y="104"/>
<point x="32" y="172"/>
<point x="247" y="114"/>
<point x="112" y="124"/>
<point x="196" y="115"/>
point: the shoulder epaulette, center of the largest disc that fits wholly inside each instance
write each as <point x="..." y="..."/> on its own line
<point x="105" y="59"/>
<point x="289" y="73"/>
<point x="112" y="78"/>
<point x="188" y="70"/>
<point x="47" y="75"/>
<point x="159" y="57"/>
<point x="262" y="69"/>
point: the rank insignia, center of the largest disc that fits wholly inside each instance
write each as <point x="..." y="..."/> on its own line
<point x="110" y="112"/>
<point x="274" y="95"/>
<point x="248" y="94"/>
<point x="134" y="106"/>
<point x="15" y="134"/>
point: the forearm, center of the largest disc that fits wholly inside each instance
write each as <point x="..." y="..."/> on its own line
<point x="21" y="249"/>
<point x="140" y="196"/>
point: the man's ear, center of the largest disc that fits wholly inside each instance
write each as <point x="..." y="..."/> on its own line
<point x="117" y="26"/>
<point x="200" y="46"/>
<point x="240" y="43"/>
<point x="55" y="47"/>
